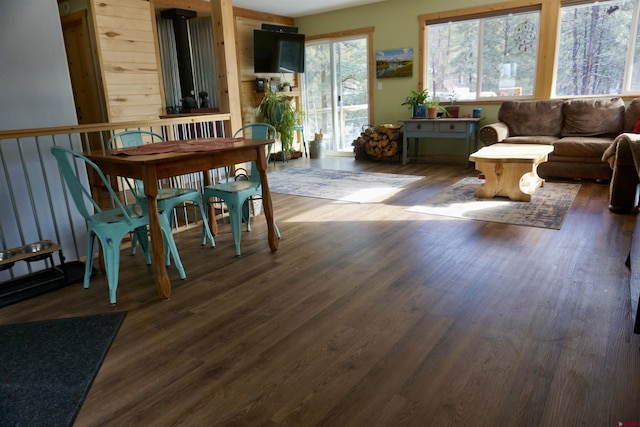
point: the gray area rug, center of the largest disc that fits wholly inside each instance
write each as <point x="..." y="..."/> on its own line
<point x="47" y="367"/>
<point x="357" y="187"/>
<point x="548" y="207"/>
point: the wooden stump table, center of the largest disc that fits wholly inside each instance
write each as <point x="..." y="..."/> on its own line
<point x="510" y="170"/>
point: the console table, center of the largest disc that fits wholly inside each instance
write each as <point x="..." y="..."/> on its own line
<point x="463" y="128"/>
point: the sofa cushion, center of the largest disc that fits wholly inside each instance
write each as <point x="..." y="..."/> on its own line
<point x="581" y="146"/>
<point x="526" y="118"/>
<point x="594" y="116"/>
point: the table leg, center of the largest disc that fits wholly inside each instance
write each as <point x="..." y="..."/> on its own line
<point x="211" y="211"/>
<point x="468" y="142"/>
<point x="163" y="284"/>
<point x="261" y="164"/>
<point x="517" y="181"/>
<point x="405" y="145"/>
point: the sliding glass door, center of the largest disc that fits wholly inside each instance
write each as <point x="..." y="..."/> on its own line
<point x="336" y="85"/>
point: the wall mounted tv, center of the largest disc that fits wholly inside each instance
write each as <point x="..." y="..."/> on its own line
<point x="278" y="52"/>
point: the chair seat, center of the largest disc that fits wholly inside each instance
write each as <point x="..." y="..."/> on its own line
<point x="233" y="187"/>
<point x="134" y="210"/>
<point x="165" y="193"/>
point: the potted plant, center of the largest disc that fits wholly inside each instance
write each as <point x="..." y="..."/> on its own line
<point x="433" y="107"/>
<point x="277" y="110"/>
<point x="453" y="110"/>
<point x="417" y="103"/>
<point x="286" y="87"/>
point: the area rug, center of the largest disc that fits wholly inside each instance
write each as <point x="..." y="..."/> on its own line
<point x="548" y="207"/>
<point x="47" y="367"/>
<point x="357" y="187"/>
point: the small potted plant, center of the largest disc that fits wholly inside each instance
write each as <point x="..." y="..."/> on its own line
<point x="417" y="103"/>
<point x="453" y="110"/>
<point x="286" y="87"/>
<point x="433" y="107"/>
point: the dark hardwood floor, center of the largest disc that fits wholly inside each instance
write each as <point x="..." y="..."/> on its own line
<point x="372" y="315"/>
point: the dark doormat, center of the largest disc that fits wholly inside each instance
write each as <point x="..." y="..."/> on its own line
<point x="40" y="282"/>
<point x="47" y="367"/>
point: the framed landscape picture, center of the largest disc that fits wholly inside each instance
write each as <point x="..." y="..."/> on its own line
<point x="394" y="63"/>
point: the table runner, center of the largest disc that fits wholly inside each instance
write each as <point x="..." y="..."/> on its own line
<point x="205" y="144"/>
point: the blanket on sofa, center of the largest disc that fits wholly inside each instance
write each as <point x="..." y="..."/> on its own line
<point x="634" y="144"/>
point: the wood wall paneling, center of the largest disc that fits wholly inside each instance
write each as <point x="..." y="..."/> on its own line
<point x="127" y="52"/>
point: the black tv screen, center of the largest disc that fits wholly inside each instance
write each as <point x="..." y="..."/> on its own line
<point x="278" y="52"/>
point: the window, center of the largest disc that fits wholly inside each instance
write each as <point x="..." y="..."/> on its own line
<point x="489" y="56"/>
<point x="598" y="51"/>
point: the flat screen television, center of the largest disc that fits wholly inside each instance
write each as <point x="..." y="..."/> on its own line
<point x="278" y="52"/>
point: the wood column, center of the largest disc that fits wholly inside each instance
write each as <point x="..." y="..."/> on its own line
<point x="226" y="61"/>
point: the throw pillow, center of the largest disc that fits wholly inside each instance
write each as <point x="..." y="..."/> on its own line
<point x="636" y="128"/>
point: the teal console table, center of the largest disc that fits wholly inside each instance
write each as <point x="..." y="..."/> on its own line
<point x="463" y="128"/>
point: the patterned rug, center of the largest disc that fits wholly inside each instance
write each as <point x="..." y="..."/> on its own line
<point x="358" y="187"/>
<point x="548" y="207"/>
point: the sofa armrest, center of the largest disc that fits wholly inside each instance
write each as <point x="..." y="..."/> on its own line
<point x="628" y="140"/>
<point x="623" y="156"/>
<point x="495" y="132"/>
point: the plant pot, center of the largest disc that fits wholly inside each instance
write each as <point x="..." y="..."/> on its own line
<point x="419" y="112"/>
<point x="433" y="112"/>
<point x="316" y="149"/>
<point x="453" y="111"/>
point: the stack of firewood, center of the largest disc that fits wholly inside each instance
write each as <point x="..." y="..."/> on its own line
<point x="379" y="141"/>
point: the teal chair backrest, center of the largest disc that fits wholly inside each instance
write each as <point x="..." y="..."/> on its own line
<point x="258" y="131"/>
<point x="80" y="194"/>
<point x="134" y="138"/>
<point x="130" y="139"/>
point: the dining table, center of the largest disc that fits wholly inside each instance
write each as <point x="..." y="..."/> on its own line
<point x="153" y="162"/>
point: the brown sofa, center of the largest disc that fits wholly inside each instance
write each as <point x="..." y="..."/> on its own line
<point x="580" y="131"/>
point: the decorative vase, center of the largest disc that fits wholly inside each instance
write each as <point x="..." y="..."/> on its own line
<point x="453" y="111"/>
<point x="419" y="112"/>
<point x="433" y="112"/>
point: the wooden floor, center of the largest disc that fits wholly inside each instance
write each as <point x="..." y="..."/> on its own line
<point x="370" y="315"/>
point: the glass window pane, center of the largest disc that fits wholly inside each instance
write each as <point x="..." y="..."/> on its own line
<point x="318" y="89"/>
<point x="509" y="52"/>
<point x="353" y="90"/>
<point x="593" y="48"/>
<point x="635" y="66"/>
<point x="452" y="61"/>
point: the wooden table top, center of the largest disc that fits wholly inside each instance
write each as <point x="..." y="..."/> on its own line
<point x="512" y="153"/>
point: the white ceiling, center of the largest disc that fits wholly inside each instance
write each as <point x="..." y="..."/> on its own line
<point x="298" y="8"/>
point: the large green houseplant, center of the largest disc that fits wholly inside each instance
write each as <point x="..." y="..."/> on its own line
<point x="277" y="110"/>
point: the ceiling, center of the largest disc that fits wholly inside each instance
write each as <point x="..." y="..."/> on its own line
<point x="298" y="8"/>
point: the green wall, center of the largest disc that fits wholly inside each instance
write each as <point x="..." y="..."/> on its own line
<point x="396" y="27"/>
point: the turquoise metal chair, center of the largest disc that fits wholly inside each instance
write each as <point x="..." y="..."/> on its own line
<point x="168" y="197"/>
<point x="237" y="194"/>
<point x="109" y="226"/>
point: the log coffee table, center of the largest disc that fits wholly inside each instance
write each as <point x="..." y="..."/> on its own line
<point x="510" y="169"/>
